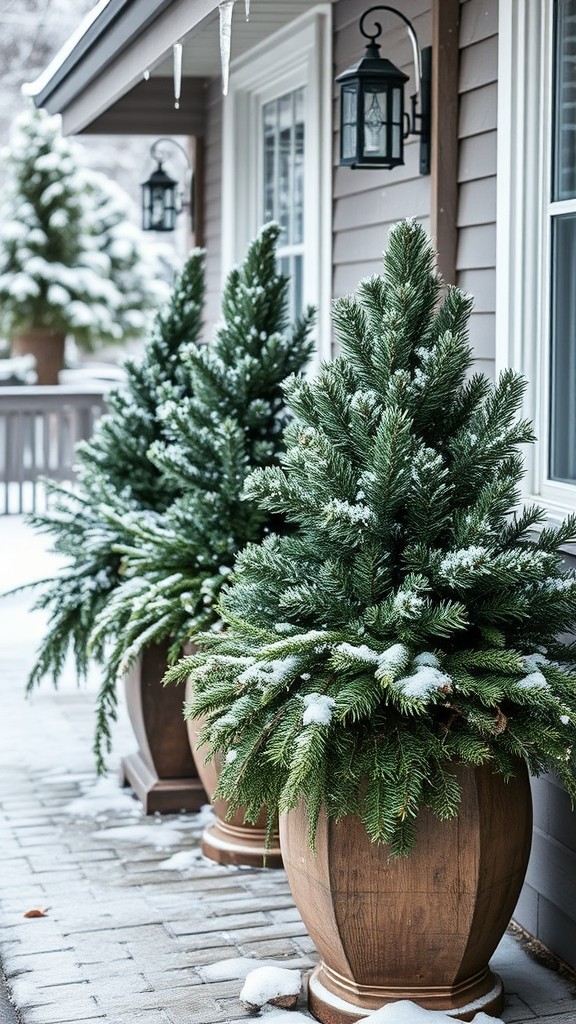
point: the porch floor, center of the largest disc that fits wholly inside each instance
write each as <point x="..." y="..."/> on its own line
<point x="129" y="934"/>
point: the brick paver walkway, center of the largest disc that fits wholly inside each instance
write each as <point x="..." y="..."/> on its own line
<point x="139" y="927"/>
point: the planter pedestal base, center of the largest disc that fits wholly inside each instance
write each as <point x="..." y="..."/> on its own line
<point x="162" y="772"/>
<point x="164" y="795"/>
<point x="331" y="998"/>
<point x="230" y="844"/>
<point x="234" y="841"/>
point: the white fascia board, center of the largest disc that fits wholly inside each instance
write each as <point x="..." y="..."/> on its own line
<point x="40" y="83"/>
<point x="82" y="102"/>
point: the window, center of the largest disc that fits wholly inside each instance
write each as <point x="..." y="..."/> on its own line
<point x="562" y="230"/>
<point x="536" y="233"/>
<point x="283" y="141"/>
<point x="277" y="158"/>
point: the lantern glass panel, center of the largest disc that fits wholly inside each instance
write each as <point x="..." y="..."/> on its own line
<point x="157" y="208"/>
<point x="375" y="120"/>
<point x="145" y="209"/>
<point x="349" y="120"/>
<point x="397" y="118"/>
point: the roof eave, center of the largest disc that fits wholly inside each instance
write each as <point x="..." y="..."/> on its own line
<point x="109" y="29"/>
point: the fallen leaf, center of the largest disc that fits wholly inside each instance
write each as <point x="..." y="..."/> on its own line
<point x="37" y="913"/>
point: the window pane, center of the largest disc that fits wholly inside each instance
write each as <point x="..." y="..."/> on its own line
<point x="283" y="184"/>
<point x="349" y="97"/>
<point x="297" y="289"/>
<point x="286" y="157"/>
<point x="563" y="350"/>
<point x="564" y="141"/>
<point x="270" y="128"/>
<point x="298" y="209"/>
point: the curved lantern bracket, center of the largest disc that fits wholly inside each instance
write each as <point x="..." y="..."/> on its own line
<point x="373" y="36"/>
<point x="373" y="122"/>
<point x="162" y="198"/>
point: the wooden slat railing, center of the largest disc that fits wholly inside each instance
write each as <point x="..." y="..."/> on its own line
<point x="39" y="427"/>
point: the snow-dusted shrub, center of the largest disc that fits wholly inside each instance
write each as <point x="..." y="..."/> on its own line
<point x="151" y="532"/>
<point x="413" y="617"/>
<point x="69" y="258"/>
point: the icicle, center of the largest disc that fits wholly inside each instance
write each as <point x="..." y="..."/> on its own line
<point x="247" y="2"/>
<point x="146" y="75"/>
<point x="225" y="8"/>
<point x="177" y="74"/>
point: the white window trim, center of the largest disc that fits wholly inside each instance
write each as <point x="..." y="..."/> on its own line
<point x="523" y="257"/>
<point x="299" y="54"/>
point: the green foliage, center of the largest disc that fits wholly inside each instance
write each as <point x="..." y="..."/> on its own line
<point x="411" y="617"/>
<point x="116" y="480"/>
<point x="227" y="420"/>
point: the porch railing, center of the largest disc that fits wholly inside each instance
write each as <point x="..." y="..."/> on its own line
<point x="39" y="427"/>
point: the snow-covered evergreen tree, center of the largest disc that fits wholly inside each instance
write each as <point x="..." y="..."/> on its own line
<point x="115" y="460"/>
<point x="413" y="618"/>
<point x="114" y="470"/>
<point x="69" y="260"/>
<point x="136" y="267"/>
<point x="230" y="422"/>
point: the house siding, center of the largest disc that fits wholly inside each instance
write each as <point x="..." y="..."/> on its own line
<point x="547" y="904"/>
<point x="476" y="220"/>
<point x="213" y="203"/>
<point x="367" y="202"/>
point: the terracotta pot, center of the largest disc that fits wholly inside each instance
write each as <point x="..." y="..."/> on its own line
<point x="421" y="927"/>
<point x="48" y="349"/>
<point x="230" y="841"/>
<point x="162" y="772"/>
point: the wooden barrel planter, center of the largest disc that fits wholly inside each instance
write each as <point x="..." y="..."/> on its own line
<point x="421" y="927"/>
<point x="230" y="841"/>
<point x="46" y="346"/>
<point x="162" y="772"/>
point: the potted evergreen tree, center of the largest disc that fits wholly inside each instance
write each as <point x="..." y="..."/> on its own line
<point x="116" y="475"/>
<point x="65" y="268"/>
<point x="175" y="560"/>
<point x="389" y="669"/>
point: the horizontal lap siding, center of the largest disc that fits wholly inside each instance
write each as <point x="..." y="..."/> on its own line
<point x="367" y="202"/>
<point x="213" y="204"/>
<point x="478" y="105"/>
<point x="547" y="904"/>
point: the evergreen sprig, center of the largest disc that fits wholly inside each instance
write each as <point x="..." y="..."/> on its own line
<point x="412" y="617"/>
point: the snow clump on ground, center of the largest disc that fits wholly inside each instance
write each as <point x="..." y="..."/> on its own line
<point x="276" y="985"/>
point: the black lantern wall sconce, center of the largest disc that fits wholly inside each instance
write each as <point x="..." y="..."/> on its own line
<point x="373" y="122"/>
<point x="162" y="199"/>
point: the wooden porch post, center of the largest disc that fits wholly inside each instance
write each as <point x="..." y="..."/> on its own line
<point x="444" y="150"/>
